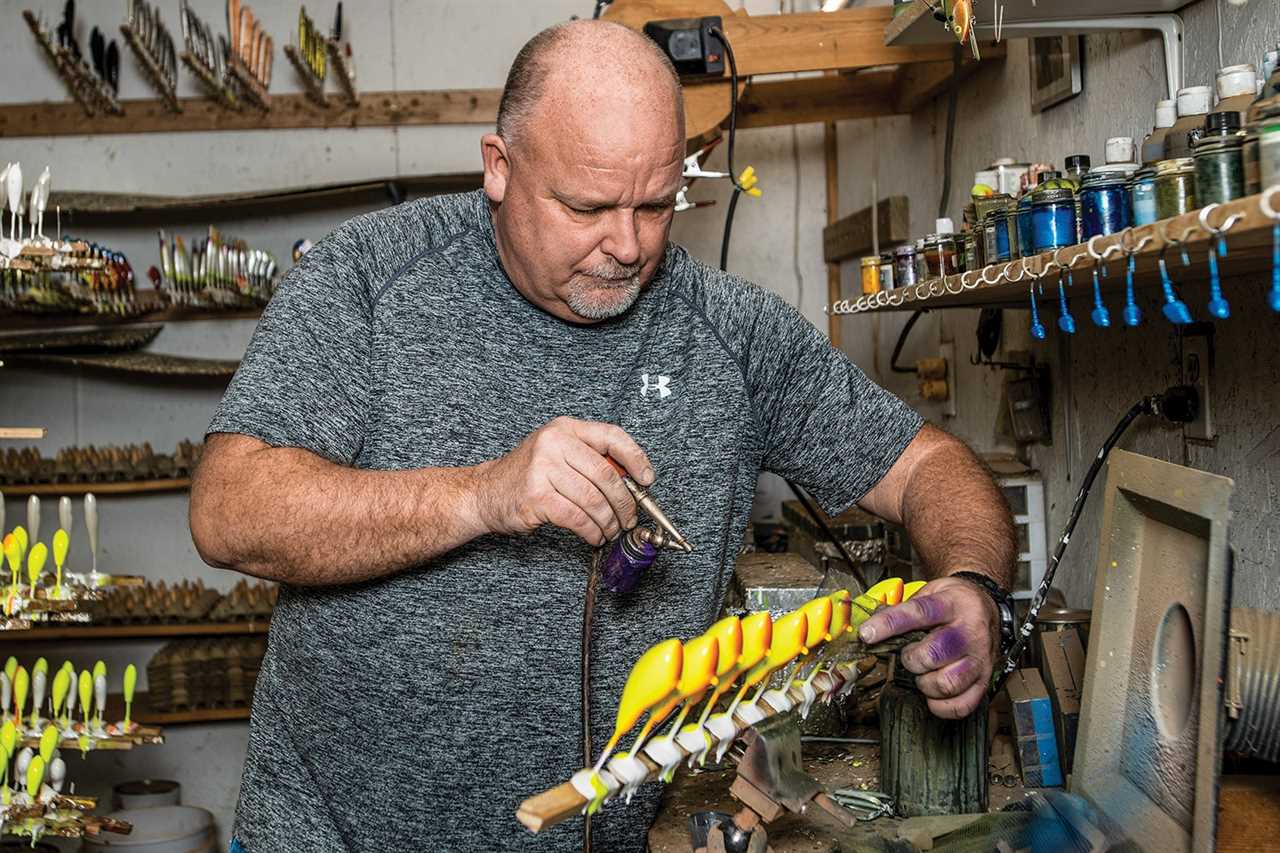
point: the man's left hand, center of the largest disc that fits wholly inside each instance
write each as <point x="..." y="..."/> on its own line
<point x="953" y="664"/>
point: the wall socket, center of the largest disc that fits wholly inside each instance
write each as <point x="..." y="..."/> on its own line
<point x="1197" y="365"/>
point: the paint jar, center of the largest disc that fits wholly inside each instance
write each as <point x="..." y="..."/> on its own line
<point x="1001" y="234"/>
<point x="1269" y="154"/>
<point x="1153" y="145"/>
<point x="1237" y="86"/>
<point x="904" y="266"/>
<point x="871" y="274"/>
<point x="1270" y="70"/>
<point x="972" y="259"/>
<point x="1076" y="167"/>
<point x="886" y="270"/>
<point x="1175" y="187"/>
<point x="940" y="255"/>
<point x="1008" y="175"/>
<point x="1104" y="202"/>
<point x="1053" y="216"/>
<point x="1193" y="106"/>
<point x="1120" y="149"/>
<point x="1220" y="160"/>
<point x="1142" y="196"/>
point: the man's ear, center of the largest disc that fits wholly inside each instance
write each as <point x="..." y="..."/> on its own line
<point x="497" y="168"/>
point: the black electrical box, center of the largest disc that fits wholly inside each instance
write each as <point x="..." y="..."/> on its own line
<point x="694" y="50"/>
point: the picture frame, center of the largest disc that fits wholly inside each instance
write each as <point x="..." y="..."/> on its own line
<point x="1055" y="66"/>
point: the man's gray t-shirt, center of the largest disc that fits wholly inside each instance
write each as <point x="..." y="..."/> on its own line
<point x="417" y="711"/>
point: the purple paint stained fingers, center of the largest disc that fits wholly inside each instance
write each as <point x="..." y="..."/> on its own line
<point x="946" y="645"/>
<point x="921" y="611"/>
<point x="951" y="680"/>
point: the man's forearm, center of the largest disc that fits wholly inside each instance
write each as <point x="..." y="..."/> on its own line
<point x="957" y="516"/>
<point x="288" y="515"/>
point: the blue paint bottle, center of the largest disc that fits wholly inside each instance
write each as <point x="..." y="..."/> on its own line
<point x="1053" y="216"/>
<point x="1142" y="196"/>
<point x="1104" y="202"/>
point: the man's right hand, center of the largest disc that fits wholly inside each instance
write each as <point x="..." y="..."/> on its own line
<point x="559" y="475"/>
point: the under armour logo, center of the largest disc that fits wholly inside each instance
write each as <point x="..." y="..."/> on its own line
<point x="661" y="384"/>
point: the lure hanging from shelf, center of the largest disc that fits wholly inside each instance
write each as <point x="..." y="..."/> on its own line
<point x="1132" y="313"/>
<point x="1066" y="322"/>
<point x="1174" y="309"/>
<point x="1037" y="328"/>
<point x="1218" y="305"/>
<point x="1273" y="297"/>
<point x="1100" y="315"/>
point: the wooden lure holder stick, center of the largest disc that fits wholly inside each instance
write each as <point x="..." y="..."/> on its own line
<point x="91" y="92"/>
<point x="564" y="801"/>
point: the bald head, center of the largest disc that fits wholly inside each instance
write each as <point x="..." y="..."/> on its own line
<point x="587" y="65"/>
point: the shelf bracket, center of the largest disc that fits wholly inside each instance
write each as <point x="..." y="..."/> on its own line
<point x="1169" y="26"/>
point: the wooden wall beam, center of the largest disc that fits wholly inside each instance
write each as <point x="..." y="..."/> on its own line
<point x="850" y="237"/>
<point x="833" y="97"/>
<point x="376" y="109"/>
<point x="921" y="82"/>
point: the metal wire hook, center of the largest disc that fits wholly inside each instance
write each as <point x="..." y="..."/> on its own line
<point x="1071" y="264"/>
<point x="1010" y="279"/>
<point x="946" y="285"/>
<point x="1207" y="211"/>
<point x="1264" y="202"/>
<point x="965" y="284"/>
<point x="1100" y="258"/>
<point x="1048" y="268"/>
<point x="989" y="282"/>
<point x="1127" y="233"/>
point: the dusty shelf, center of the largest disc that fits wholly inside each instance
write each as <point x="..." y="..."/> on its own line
<point x="119" y="487"/>
<point x="25" y="322"/>
<point x="144" y="714"/>
<point x="918" y="26"/>
<point x="1009" y="285"/>
<point x="135" y="632"/>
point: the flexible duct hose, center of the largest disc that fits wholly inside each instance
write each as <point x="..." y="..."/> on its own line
<point x="1253" y="684"/>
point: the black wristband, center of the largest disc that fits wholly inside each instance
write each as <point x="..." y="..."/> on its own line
<point x="1004" y="605"/>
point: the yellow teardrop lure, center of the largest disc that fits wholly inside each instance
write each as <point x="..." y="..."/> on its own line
<point x="35" y="564"/>
<point x="911" y="589"/>
<point x="21" y="683"/>
<point x="20" y="534"/>
<point x="789" y="633"/>
<point x="757" y="634"/>
<point x="652" y="680"/>
<point x="13" y="556"/>
<point x="818" y="615"/>
<point x="697" y="673"/>
<point x="61" y="683"/>
<point x="8" y="743"/>
<point x="130" y="682"/>
<point x="888" y="591"/>
<point x="48" y="743"/>
<point x="10" y="667"/>
<point x="86" y="694"/>
<point x="61" y="544"/>
<point x="35" y="776"/>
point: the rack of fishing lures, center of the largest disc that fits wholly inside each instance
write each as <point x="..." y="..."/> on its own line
<point x="60" y="595"/>
<point x="235" y="68"/>
<point x="216" y="272"/>
<point x="1163" y="252"/>
<point x="96" y="88"/>
<point x="152" y="45"/>
<point x="814" y="649"/>
<point x="315" y="52"/>
<point x="42" y="274"/>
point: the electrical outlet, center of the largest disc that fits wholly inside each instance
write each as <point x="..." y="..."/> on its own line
<point x="692" y="44"/>
<point x="1197" y="364"/>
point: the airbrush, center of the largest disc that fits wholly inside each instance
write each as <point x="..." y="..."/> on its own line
<point x="636" y="549"/>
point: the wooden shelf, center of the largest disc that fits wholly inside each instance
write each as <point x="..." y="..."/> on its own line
<point x="90" y="207"/>
<point x="24" y="322"/>
<point x="135" y="632"/>
<point x="1249" y="244"/>
<point x="129" y="487"/>
<point x="917" y="25"/>
<point x="142" y="713"/>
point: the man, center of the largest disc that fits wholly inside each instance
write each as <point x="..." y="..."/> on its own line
<point x="415" y="444"/>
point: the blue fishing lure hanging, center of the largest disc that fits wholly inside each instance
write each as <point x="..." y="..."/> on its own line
<point x="1037" y="328"/>
<point x="1066" y="322"/>
<point x="1175" y="310"/>
<point x="1101" y="316"/>
<point x="1218" y="305"/>
<point x="1274" y="297"/>
<point x="1132" y="313"/>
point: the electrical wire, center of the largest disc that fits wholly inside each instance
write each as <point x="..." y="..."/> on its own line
<point x="1153" y="405"/>
<point x="902" y="339"/>
<point x="831" y="536"/>
<point x="729" y="148"/>
<point x="601" y="5"/>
